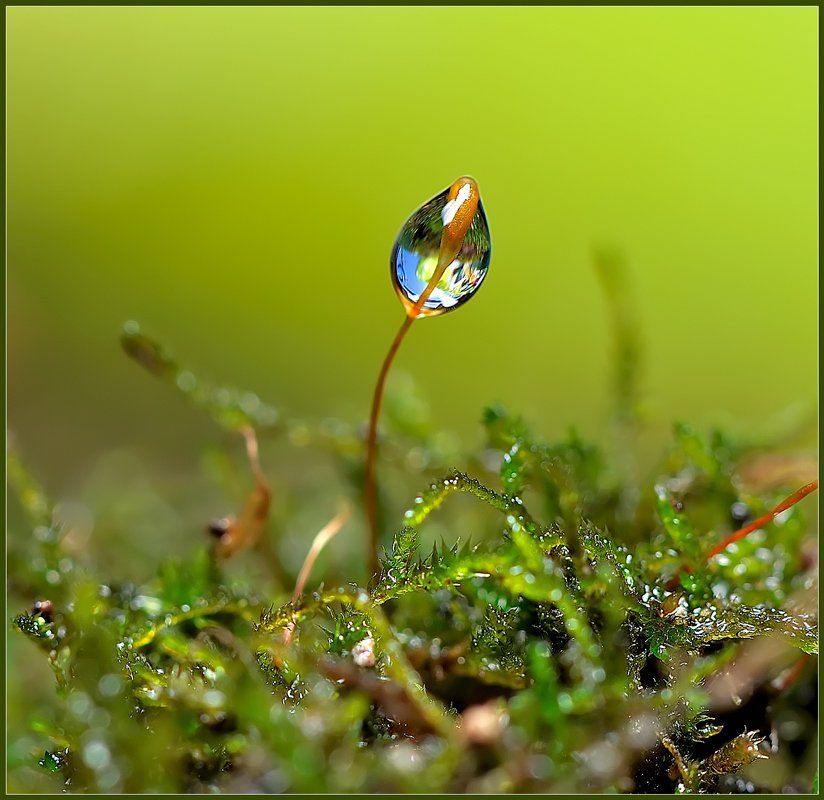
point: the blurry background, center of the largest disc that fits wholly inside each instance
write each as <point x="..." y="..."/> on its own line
<point x="234" y="180"/>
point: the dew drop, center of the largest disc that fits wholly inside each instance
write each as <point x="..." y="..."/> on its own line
<point x="440" y="230"/>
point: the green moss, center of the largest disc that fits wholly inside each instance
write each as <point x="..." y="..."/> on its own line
<point x="585" y="631"/>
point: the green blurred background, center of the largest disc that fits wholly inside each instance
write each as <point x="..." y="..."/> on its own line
<point x="234" y="180"/>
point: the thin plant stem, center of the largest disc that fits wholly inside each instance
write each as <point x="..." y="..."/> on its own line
<point x="452" y="238"/>
<point x="324" y="535"/>
<point x="250" y="439"/>
<point x="789" y="676"/>
<point x="755" y="525"/>
<point x="247" y="530"/>
<point x="238" y="609"/>
<point x="370" y="489"/>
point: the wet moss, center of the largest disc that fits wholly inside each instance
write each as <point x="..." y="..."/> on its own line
<point x="581" y="628"/>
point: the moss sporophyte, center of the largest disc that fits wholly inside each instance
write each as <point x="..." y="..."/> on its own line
<point x="602" y="634"/>
<point x="439" y="260"/>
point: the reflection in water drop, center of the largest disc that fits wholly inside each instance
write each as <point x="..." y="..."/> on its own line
<point x="417" y="248"/>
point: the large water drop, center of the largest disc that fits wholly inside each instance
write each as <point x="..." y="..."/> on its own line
<point x="418" y="249"/>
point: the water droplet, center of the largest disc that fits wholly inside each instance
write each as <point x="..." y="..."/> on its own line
<point x="448" y="233"/>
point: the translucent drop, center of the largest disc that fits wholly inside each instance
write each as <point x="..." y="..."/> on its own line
<point x="436" y="232"/>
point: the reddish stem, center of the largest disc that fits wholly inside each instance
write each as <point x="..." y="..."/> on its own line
<point x="790" y="676"/>
<point x="452" y="237"/>
<point x="369" y="490"/>
<point x="755" y="525"/>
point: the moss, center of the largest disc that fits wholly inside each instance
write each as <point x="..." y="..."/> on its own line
<point x="588" y="631"/>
